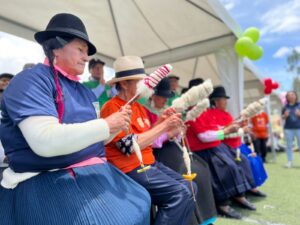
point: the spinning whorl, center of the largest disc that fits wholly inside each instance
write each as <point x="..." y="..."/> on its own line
<point x="197" y="110"/>
<point x="192" y="96"/>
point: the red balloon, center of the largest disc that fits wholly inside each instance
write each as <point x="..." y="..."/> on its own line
<point x="275" y="85"/>
<point x="267" y="90"/>
<point x="268" y="82"/>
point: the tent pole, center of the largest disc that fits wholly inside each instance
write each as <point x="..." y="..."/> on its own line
<point x="270" y="128"/>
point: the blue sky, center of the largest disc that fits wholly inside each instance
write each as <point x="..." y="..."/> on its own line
<point x="279" y="23"/>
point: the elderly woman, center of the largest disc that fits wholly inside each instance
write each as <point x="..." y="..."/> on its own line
<point x="205" y="136"/>
<point x="168" y="190"/>
<point x="223" y="118"/>
<point x="170" y="154"/>
<point x="54" y="142"/>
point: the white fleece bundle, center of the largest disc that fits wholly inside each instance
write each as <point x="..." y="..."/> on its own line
<point x="197" y="110"/>
<point x="192" y="96"/>
<point x="253" y="108"/>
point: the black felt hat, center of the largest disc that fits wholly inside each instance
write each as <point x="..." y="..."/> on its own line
<point x="195" y="82"/>
<point x="173" y="76"/>
<point x="6" y="75"/>
<point x="218" y="92"/>
<point x="65" y="25"/>
<point x="163" y="89"/>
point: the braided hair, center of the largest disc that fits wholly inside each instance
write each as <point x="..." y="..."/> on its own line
<point x="48" y="46"/>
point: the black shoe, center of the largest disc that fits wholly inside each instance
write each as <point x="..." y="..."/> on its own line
<point x="231" y="213"/>
<point x="257" y="193"/>
<point x="246" y="204"/>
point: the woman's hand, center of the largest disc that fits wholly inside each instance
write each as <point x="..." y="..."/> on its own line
<point x="174" y="121"/>
<point x="119" y="120"/>
<point x="165" y="114"/>
<point x="173" y="132"/>
<point x="247" y="129"/>
<point x="233" y="128"/>
<point x="286" y="114"/>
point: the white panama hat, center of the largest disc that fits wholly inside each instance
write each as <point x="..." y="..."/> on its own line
<point x="128" y="68"/>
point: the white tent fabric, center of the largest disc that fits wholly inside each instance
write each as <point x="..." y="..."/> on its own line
<point x="195" y="36"/>
<point x="159" y="31"/>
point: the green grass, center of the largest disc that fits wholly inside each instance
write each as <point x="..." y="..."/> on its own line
<point x="282" y="206"/>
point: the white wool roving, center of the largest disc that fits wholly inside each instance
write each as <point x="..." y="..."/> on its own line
<point x="146" y="86"/>
<point x="187" y="160"/>
<point x="197" y="110"/>
<point x="193" y="96"/>
<point x="137" y="150"/>
<point x="254" y="108"/>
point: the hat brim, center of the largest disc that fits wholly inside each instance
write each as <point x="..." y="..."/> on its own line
<point x="42" y="36"/>
<point x="173" y="77"/>
<point x="133" y="77"/>
<point x="221" y="96"/>
<point x="165" y="94"/>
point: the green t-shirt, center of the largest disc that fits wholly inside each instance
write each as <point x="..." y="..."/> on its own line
<point x="173" y="98"/>
<point x="105" y="96"/>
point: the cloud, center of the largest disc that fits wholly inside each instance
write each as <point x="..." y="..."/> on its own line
<point x="284" y="51"/>
<point x="283" y="18"/>
<point x="229" y="4"/>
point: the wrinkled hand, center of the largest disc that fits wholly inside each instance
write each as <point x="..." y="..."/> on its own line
<point x="119" y="120"/>
<point x="173" y="122"/>
<point x="246" y="129"/>
<point x="165" y="114"/>
<point x="233" y="128"/>
<point x="173" y="132"/>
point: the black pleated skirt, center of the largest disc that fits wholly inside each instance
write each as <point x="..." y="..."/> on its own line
<point x="229" y="178"/>
<point x="171" y="156"/>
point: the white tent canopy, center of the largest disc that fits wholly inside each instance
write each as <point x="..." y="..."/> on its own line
<point x="196" y="36"/>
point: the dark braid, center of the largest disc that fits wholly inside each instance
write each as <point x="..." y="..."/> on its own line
<point x="212" y="103"/>
<point x="48" y="47"/>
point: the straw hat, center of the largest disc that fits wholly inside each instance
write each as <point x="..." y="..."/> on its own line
<point x="128" y="68"/>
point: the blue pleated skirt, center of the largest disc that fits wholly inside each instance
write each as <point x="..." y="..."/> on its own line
<point x="257" y="166"/>
<point x="98" y="194"/>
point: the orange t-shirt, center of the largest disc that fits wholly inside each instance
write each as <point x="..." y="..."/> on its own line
<point x="139" y="124"/>
<point x="260" y="123"/>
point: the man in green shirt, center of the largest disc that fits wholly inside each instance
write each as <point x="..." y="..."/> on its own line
<point x="174" y="83"/>
<point x="97" y="83"/>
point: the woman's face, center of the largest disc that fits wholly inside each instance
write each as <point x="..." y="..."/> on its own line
<point x="291" y="97"/>
<point x="159" y="101"/>
<point x="221" y="103"/>
<point x="72" y="57"/>
<point x="128" y="87"/>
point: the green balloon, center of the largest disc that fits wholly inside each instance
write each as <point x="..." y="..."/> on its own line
<point x="255" y="52"/>
<point x="243" y="45"/>
<point x="252" y="33"/>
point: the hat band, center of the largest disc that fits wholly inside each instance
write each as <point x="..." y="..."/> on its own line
<point x="130" y="72"/>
